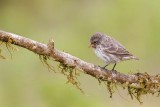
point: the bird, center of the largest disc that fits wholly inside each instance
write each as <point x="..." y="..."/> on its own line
<point x="109" y="50"/>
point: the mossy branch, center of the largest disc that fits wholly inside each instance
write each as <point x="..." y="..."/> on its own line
<point x="136" y="84"/>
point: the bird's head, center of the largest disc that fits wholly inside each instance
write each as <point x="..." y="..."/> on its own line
<point x="95" y="40"/>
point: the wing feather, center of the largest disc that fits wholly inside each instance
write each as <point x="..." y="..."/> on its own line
<point x="111" y="46"/>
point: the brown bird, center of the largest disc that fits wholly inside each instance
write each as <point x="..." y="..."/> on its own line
<point x="109" y="50"/>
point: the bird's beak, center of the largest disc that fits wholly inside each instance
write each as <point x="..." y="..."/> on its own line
<point x="91" y="45"/>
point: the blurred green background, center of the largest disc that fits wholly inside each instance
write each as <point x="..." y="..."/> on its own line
<point x="25" y="82"/>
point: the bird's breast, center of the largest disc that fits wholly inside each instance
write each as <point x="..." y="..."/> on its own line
<point x="108" y="58"/>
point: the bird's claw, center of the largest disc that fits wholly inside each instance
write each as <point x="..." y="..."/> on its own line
<point x="114" y="71"/>
<point x="101" y="67"/>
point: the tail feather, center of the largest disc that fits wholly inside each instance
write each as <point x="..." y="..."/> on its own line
<point x="136" y="58"/>
<point x="130" y="57"/>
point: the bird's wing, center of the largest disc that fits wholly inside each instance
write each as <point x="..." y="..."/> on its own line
<point x="114" y="47"/>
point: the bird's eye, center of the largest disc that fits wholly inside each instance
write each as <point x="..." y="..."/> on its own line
<point x="94" y="42"/>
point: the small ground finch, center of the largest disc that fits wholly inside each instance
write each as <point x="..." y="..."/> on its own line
<point x="109" y="50"/>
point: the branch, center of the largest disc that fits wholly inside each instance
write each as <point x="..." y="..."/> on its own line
<point x="139" y="83"/>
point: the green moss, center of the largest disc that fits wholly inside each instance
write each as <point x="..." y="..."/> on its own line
<point x="44" y="59"/>
<point x="71" y="73"/>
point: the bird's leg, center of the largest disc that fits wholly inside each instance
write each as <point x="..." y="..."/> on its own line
<point x="114" y="66"/>
<point x="105" y="66"/>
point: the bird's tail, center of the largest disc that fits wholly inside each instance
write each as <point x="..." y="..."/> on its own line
<point x="135" y="58"/>
<point x="130" y="57"/>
